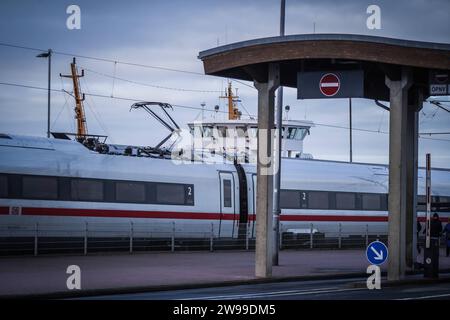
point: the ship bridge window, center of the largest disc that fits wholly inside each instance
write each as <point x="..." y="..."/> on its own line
<point x="300" y="134"/>
<point x="3" y="186"/>
<point x="87" y="190"/>
<point x="208" y="132"/>
<point x="36" y="187"/>
<point x="253" y="132"/>
<point x="318" y="200"/>
<point x="345" y="201"/>
<point x="130" y="192"/>
<point x="371" y="202"/>
<point x="223" y="132"/>
<point x="241" y="132"/>
<point x="296" y="133"/>
<point x="197" y="132"/>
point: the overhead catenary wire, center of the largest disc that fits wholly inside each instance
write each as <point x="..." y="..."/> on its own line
<point x="197" y="108"/>
<point x="439" y="105"/>
<point x="147" y="84"/>
<point x="116" y="61"/>
<point x="91" y="108"/>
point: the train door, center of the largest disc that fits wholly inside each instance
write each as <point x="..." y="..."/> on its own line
<point x="227" y="202"/>
<point x="254" y="206"/>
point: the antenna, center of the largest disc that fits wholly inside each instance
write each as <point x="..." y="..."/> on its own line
<point x="233" y="111"/>
<point x="216" y="109"/>
<point x="287" y="108"/>
<point x="203" y="104"/>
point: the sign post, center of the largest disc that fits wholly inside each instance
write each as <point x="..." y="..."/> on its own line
<point x="376" y="253"/>
<point x="428" y="199"/>
<point x="431" y="252"/>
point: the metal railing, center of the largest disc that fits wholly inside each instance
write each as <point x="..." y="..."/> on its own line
<point x="95" y="237"/>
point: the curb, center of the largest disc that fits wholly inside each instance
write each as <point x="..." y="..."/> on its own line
<point x="404" y="282"/>
<point x="131" y="290"/>
<point x="142" y="289"/>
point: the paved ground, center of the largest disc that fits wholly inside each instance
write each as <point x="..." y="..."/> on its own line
<point x="299" y="290"/>
<point x="47" y="274"/>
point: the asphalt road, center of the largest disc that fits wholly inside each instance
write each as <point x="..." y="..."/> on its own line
<point x="342" y="289"/>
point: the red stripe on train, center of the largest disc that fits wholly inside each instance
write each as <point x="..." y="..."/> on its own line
<point x="189" y="215"/>
<point x="333" y="218"/>
<point x="122" y="213"/>
<point x="183" y="215"/>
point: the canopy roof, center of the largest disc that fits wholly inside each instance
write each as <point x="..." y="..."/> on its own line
<point x="377" y="56"/>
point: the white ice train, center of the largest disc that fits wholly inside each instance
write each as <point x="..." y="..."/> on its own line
<point x="61" y="182"/>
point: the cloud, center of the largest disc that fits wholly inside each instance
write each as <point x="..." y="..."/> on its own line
<point x="170" y="34"/>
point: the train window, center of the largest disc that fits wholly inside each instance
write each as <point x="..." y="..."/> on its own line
<point x="444" y="200"/>
<point x="421" y="203"/>
<point x="227" y="193"/>
<point x="444" y="204"/>
<point x="289" y="199"/>
<point x="86" y="190"/>
<point x="371" y="202"/>
<point x="345" y="201"/>
<point x="130" y="192"/>
<point x="384" y="202"/>
<point x="168" y="193"/>
<point x="3" y="186"/>
<point x="35" y="187"/>
<point x="318" y="200"/>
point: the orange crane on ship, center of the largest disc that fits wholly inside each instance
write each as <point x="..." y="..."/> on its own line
<point x="80" y="115"/>
<point x="233" y="111"/>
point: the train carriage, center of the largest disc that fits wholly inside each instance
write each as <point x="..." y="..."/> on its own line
<point x="61" y="182"/>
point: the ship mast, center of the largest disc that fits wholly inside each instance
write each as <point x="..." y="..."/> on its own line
<point x="233" y="111"/>
<point x="79" y="108"/>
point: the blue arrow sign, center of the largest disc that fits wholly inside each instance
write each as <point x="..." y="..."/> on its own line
<point x="377" y="252"/>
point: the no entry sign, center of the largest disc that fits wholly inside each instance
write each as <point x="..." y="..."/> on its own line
<point x="329" y="84"/>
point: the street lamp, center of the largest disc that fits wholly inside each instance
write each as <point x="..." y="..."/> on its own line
<point x="48" y="55"/>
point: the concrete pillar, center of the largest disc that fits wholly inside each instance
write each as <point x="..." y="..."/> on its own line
<point x="411" y="177"/>
<point x="397" y="173"/>
<point x="265" y="170"/>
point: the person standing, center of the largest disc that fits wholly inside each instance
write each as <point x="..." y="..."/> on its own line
<point x="447" y="238"/>
<point x="431" y="254"/>
<point x="418" y="229"/>
<point x="435" y="226"/>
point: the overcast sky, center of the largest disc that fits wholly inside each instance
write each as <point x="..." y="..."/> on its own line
<point x="170" y="34"/>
